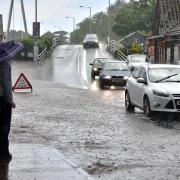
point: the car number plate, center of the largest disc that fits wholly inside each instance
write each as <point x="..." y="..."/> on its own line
<point x="116" y="80"/>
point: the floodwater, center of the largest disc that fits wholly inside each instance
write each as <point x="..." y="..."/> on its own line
<point x="90" y="126"/>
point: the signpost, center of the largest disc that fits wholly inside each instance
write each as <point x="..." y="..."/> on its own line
<point x="22" y="84"/>
<point x="36" y="34"/>
<point x="36" y="30"/>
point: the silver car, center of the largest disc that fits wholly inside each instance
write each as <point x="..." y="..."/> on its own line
<point x="154" y="88"/>
<point x="136" y="60"/>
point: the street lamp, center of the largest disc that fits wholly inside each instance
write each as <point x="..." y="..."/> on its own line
<point x="36" y="46"/>
<point x="74" y="22"/>
<point x="89" y="16"/>
<point x="109" y="22"/>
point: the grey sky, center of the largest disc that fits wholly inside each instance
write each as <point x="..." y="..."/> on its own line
<point x="51" y="13"/>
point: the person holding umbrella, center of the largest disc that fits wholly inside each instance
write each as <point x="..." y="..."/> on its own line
<point x="7" y="51"/>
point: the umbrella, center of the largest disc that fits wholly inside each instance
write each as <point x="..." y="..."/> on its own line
<point x="9" y="49"/>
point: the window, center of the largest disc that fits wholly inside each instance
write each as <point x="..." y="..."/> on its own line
<point x="137" y="72"/>
<point x="143" y="74"/>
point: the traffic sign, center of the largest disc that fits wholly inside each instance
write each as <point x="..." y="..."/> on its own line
<point x="22" y="83"/>
<point x="36" y="29"/>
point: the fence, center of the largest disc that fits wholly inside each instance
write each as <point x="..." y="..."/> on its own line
<point x="44" y="54"/>
<point x="112" y="48"/>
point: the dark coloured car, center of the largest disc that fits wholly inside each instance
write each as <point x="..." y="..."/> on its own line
<point x="97" y="65"/>
<point x="114" y="73"/>
<point x="91" y="40"/>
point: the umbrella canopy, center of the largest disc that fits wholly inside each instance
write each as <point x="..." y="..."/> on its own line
<point x="9" y="49"/>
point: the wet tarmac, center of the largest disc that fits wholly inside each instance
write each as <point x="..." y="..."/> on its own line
<point x="90" y="126"/>
<point x="39" y="162"/>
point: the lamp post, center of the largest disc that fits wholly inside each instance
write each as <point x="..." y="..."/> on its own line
<point x="109" y="22"/>
<point x="74" y="22"/>
<point x="36" y="46"/>
<point x="89" y="16"/>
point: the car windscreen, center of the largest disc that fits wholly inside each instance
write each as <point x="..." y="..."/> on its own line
<point x="116" y="67"/>
<point x="164" y="75"/>
<point x="91" y="39"/>
<point x="91" y="36"/>
<point x="100" y="61"/>
<point x="138" y="59"/>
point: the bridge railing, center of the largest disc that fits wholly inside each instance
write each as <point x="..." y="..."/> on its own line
<point x="45" y="53"/>
<point x="55" y="42"/>
<point x="113" y="49"/>
<point x="42" y="55"/>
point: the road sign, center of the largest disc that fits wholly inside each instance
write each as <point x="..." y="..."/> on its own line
<point x="22" y="83"/>
<point x="36" y="29"/>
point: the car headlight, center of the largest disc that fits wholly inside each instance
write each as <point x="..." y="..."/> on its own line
<point x="107" y="77"/>
<point x="157" y="93"/>
<point x="126" y="77"/>
<point x="95" y="69"/>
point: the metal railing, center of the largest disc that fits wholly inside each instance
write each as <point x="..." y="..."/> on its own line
<point x="55" y="42"/>
<point x="42" y="55"/>
<point x="112" y="47"/>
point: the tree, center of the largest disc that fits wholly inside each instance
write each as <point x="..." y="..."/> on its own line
<point x="134" y="16"/>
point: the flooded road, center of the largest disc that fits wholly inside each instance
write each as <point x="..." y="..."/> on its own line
<point x="70" y="65"/>
<point x="90" y="126"/>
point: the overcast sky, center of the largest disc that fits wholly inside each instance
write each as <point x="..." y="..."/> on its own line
<point x="51" y="13"/>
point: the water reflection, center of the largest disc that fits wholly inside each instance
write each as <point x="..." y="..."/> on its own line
<point x="4" y="170"/>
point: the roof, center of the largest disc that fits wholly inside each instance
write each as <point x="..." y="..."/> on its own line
<point x="167" y="17"/>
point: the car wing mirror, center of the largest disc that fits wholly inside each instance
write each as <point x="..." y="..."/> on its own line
<point x="141" y="80"/>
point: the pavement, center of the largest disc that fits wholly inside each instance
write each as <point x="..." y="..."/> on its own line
<point x="39" y="162"/>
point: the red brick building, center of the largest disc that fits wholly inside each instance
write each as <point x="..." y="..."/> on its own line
<point x="164" y="45"/>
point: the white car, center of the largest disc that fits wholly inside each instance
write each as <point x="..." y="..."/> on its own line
<point x="154" y="88"/>
<point x="136" y="60"/>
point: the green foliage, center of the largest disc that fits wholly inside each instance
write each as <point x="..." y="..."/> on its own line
<point x="135" y="49"/>
<point x="125" y="18"/>
<point x="28" y="43"/>
<point x="134" y="16"/>
<point x="124" y="51"/>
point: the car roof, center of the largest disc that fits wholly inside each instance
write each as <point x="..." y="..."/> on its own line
<point x="101" y="58"/>
<point x="137" y="55"/>
<point x="160" y="66"/>
<point x="115" y="61"/>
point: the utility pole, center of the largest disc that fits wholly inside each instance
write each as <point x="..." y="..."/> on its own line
<point x="90" y="28"/>
<point x="109" y="22"/>
<point x="36" y="34"/>
<point x="90" y="20"/>
<point x="1" y="28"/>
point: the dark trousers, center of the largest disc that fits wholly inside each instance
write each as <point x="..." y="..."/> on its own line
<point x="5" y="122"/>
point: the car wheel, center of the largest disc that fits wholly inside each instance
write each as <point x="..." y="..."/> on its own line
<point x="101" y="84"/>
<point x="147" y="107"/>
<point x="128" y="104"/>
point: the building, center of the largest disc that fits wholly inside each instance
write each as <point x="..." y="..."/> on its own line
<point x="164" y="45"/>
